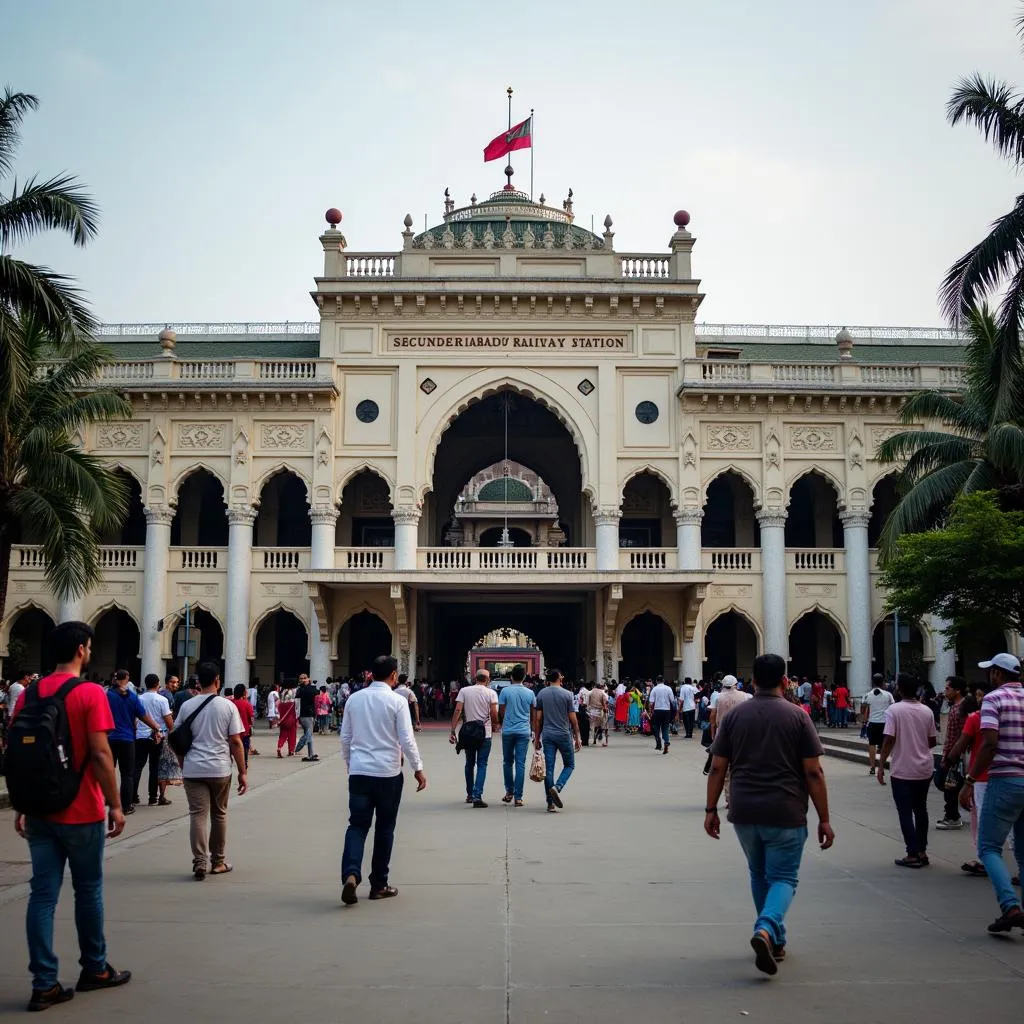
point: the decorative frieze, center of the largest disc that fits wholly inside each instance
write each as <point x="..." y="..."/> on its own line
<point x="813" y="439"/>
<point x="284" y="436"/>
<point x="728" y="437"/>
<point x="120" y="436"/>
<point x="816" y="589"/>
<point x="197" y="589"/>
<point x="731" y="590"/>
<point x="883" y="432"/>
<point x="203" y="436"/>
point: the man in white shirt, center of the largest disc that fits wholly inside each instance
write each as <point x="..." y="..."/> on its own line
<point x="403" y="689"/>
<point x="477" y="703"/>
<point x="873" y="707"/>
<point x="148" y="750"/>
<point x="659" y="703"/>
<point x="688" y="705"/>
<point x="582" y="715"/>
<point x="375" y="731"/>
<point x="15" y="691"/>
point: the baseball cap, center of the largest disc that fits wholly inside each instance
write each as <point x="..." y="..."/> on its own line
<point x="1007" y="662"/>
<point x="728" y="682"/>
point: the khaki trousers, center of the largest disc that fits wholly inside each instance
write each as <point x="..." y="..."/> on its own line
<point x="208" y="802"/>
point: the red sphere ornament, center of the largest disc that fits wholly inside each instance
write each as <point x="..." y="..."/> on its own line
<point x="682" y="218"/>
<point x="333" y="216"/>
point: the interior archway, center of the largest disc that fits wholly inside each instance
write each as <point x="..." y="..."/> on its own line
<point x="730" y="646"/>
<point x="500" y="650"/>
<point x="365" y="518"/>
<point x="884" y="498"/>
<point x="815" y="648"/>
<point x="647" y="644"/>
<point x="281" y="645"/>
<point x="646" y="520"/>
<point x="132" y="532"/>
<point x="200" y="519"/>
<point x="491" y="537"/>
<point x="911" y="647"/>
<point x="362" y="638"/>
<point x="116" y="645"/>
<point x="283" y="517"/>
<point x="812" y="520"/>
<point x="206" y="642"/>
<point x="729" y="520"/>
<point x="27" y="644"/>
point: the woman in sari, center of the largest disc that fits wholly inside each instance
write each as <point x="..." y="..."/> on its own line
<point x="636" y="703"/>
<point x="287" y="722"/>
<point x="621" y="710"/>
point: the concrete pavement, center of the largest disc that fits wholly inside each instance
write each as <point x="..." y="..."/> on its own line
<point x="618" y="905"/>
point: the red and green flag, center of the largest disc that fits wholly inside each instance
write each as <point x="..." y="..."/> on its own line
<point x="519" y="136"/>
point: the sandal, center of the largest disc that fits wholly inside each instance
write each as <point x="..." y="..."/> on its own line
<point x="519" y="803"/>
<point x="164" y="802"/>
<point x="507" y="798"/>
<point x="908" y="862"/>
<point x="384" y="894"/>
<point x="975" y="869"/>
<point x="222" y="869"/>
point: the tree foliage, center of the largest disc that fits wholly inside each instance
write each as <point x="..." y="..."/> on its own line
<point x="970" y="572"/>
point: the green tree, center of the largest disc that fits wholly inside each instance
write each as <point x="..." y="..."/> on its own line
<point x="28" y="291"/>
<point x="981" y="447"/>
<point x="970" y="572"/>
<point x="51" y="492"/>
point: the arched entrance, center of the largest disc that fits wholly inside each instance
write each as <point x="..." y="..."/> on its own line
<point x="884" y="498"/>
<point x="812" y="520"/>
<point x="501" y="650"/>
<point x="200" y="520"/>
<point x="729" y="520"/>
<point x="116" y="645"/>
<point x="730" y="646"/>
<point x="365" y="517"/>
<point x="491" y="537"/>
<point x="646" y="647"/>
<point x="911" y="647"/>
<point x="283" y="519"/>
<point x="206" y="643"/>
<point x="132" y="532"/>
<point x="281" y="645"/>
<point x="646" y="520"/>
<point x="815" y="648"/>
<point x="27" y="644"/>
<point x="362" y="638"/>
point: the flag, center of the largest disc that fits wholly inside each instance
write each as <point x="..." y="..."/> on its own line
<point x="517" y="137"/>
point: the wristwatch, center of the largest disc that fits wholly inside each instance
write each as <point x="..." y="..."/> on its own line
<point x="710" y="810"/>
<point x="970" y="780"/>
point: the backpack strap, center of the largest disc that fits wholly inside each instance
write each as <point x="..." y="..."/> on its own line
<point x="64" y="690"/>
<point x="191" y="718"/>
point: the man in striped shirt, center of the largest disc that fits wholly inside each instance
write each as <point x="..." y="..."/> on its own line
<point x="1002" y="753"/>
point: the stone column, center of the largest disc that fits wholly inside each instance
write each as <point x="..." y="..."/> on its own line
<point x="69" y="609"/>
<point x="945" y="656"/>
<point x="688" y="539"/>
<point x="858" y="600"/>
<point x="236" y="668"/>
<point x="154" y="585"/>
<point x="773" y="580"/>
<point x="606" y="524"/>
<point x="407" y="522"/>
<point x="321" y="556"/>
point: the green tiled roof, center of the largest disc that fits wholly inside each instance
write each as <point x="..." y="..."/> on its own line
<point x="191" y="346"/>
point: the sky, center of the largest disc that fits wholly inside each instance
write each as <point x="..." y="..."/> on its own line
<point x="807" y="139"/>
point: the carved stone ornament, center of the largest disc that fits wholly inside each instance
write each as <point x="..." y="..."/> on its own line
<point x="729" y="437"/>
<point x="119" y="436"/>
<point x="816" y="589"/>
<point x="883" y="433"/>
<point x="812" y="439"/>
<point x="288" y="436"/>
<point x="688" y="516"/>
<point x="856" y="460"/>
<point x="242" y="514"/>
<point x="607" y="515"/>
<point x="322" y="457"/>
<point x="406" y="515"/>
<point x="324" y="514"/>
<point x="241" y="458"/>
<point x="158" y="457"/>
<point x="855" y="517"/>
<point x="202" y="436"/>
<point x="771" y="517"/>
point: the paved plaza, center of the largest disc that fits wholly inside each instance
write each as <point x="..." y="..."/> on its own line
<point x="618" y="905"/>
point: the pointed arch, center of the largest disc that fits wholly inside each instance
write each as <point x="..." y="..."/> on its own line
<point x="191" y="470"/>
<point x="364" y="606"/>
<point x="751" y="481"/>
<point x="881" y="473"/>
<point x="128" y="471"/>
<point x="844" y="639"/>
<point x="281" y="467"/>
<point x="658" y="474"/>
<point x="366" y="466"/>
<point x="827" y="475"/>
<point x="16" y="613"/>
<point x="530" y="384"/>
<point x="174" y="619"/>
<point x="740" y="613"/>
<point x="281" y="606"/>
<point x="112" y="606"/>
<point x="654" y="608"/>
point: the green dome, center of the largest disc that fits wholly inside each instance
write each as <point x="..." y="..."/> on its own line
<point x="495" y="490"/>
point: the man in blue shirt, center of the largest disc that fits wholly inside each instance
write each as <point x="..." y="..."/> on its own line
<point x="516" y="712"/>
<point x="126" y="708"/>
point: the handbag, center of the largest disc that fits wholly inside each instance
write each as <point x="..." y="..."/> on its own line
<point x="538" y="769"/>
<point x="954" y="777"/>
<point x="180" y="737"/>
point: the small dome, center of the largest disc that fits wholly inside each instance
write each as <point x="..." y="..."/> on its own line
<point x="681" y="219"/>
<point x="333" y="216"/>
<point x="505" y="489"/>
<point x="844" y="337"/>
<point x="167" y="339"/>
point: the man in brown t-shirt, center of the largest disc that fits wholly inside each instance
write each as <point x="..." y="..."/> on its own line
<point x="773" y="754"/>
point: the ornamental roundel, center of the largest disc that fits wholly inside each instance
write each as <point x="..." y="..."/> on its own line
<point x="367" y="410"/>
<point x="646" y="412"/>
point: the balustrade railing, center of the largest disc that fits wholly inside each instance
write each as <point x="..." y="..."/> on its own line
<point x="803" y="373"/>
<point x="358" y="559"/>
<point x="727" y="371"/>
<point x="647" y="558"/>
<point x="27" y="556"/>
<point x="645" y="266"/>
<point x="281" y="559"/>
<point x="814" y="559"/>
<point x="903" y="376"/>
<point x="369" y="265"/>
<point x="505" y="559"/>
<point x="731" y="559"/>
<point x="951" y="376"/>
<point x="206" y="369"/>
<point x="200" y="558"/>
<point x="127" y="371"/>
<point x="116" y="557"/>
<point x="287" y="369"/>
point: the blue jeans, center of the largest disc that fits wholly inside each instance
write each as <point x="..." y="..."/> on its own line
<point x="1001" y="813"/>
<point x="562" y="744"/>
<point x="477" y="759"/>
<point x="660" y="722"/>
<point x="369" y="795"/>
<point x="773" y="856"/>
<point x="51" y="847"/>
<point x="513" y="749"/>
<point x="307" y="737"/>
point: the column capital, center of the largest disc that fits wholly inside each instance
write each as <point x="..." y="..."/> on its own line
<point x="406" y="515"/>
<point x="855" y="517"/>
<point x="244" y="515"/>
<point x="159" y="515"/>
<point x="771" y="517"/>
<point x="688" y="516"/>
<point x="606" y="515"/>
<point x="325" y="515"/>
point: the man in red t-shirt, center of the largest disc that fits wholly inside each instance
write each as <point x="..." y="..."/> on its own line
<point x="75" y="835"/>
<point x="842" y="696"/>
<point x="240" y="698"/>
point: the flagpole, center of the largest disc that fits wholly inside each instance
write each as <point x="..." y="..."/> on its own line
<point x="533" y="136"/>
<point x="509" y="155"/>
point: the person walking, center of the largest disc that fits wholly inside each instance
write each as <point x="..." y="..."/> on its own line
<point x="148" y="749"/>
<point x="1001" y="754"/>
<point x="404" y="690"/>
<point x="74" y="836"/>
<point x="272" y="713"/>
<point x="247" y="714"/>
<point x="287" y="721"/>
<point x="873" y="707"/>
<point x="772" y="752"/>
<point x="127" y="709"/>
<point x="375" y="732"/>
<point x="722" y="702"/>
<point x="688" y="705"/>
<point x="909" y="735"/>
<point x="187" y="692"/>
<point x="477" y="703"/>
<point x="306" y="697"/>
<point x="206" y="768"/>
<point x="659" y="702"/>
<point x="598" y="712"/>
<point x="956" y="690"/>
<point x="516" y="715"/>
<point x="558" y="731"/>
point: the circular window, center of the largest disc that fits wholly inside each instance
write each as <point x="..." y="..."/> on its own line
<point x="368" y="410"/>
<point x="646" y="412"/>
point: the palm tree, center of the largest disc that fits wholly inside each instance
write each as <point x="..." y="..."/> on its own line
<point x="982" y="447"/>
<point x="34" y="292"/>
<point x="51" y="492"/>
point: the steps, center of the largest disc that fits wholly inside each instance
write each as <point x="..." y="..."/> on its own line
<point x="845" y="744"/>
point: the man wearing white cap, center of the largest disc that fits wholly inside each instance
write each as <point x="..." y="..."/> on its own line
<point x="729" y="697"/>
<point x="1002" y="754"/>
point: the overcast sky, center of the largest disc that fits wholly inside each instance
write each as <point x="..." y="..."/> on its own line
<point x="807" y="138"/>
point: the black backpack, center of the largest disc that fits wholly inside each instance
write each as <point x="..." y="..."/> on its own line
<point x="471" y="737"/>
<point x="40" y="763"/>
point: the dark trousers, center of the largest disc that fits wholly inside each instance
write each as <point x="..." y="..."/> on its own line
<point x="950" y="796"/>
<point x="124" y="758"/>
<point x="688" y="717"/>
<point x="146" y="750"/>
<point x="584" y="720"/>
<point x="911" y="799"/>
<point x="660" y="721"/>
<point x="369" y="796"/>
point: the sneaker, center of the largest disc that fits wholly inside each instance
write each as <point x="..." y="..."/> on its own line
<point x="43" y="999"/>
<point x="949" y="826"/>
<point x="469" y="799"/>
<point x="107" y="978"/>
<point x="762" y="946"/>
<point x="871" y="771"/>
<point x="479" y="803"/>
<point x="1013" y="918"/>
<point x="778" y="953"/>
<point x="554" y="796"/>
<point x="384" y="894"/>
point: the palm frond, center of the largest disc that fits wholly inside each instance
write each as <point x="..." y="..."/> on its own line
<point x="1005" y="448"/>
<point x="13" y="108"/>
<point x="39" y="293"/>
<point x="924" y="405"/>
<point x="57" y="204"/>
<point x="994" y="108"/>
<point x="910" y="443"/>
